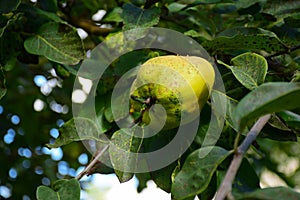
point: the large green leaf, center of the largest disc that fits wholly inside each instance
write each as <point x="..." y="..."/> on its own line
<point x="197" y="171"/>
<point x="123" y="148"/>
<point x="245" y="39"/>
<point x="276" y="193"/>
<point x="250" y="69"/>
<point x="57" y="42"/>
<point x="267" y="98"/>
<point x="61" y="190"/>
<point x="135" y="17"/>
<point x="86" y="129"/>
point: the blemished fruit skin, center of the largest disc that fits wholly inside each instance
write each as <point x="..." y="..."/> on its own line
<point x="181" y="84"/>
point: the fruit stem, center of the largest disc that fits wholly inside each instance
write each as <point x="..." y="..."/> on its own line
<point x="147" y="103"/>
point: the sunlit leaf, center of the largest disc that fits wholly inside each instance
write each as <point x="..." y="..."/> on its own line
<point x="61" y="190"/>
<point x="123" y="148"/>
<point x="114" y="16"/>
<point x="57" y="42"/>
<point x="250" y="69"/>
<point x="135" y="17"/>
<point x="267" y="98"/>
<point x="86" y="129"/>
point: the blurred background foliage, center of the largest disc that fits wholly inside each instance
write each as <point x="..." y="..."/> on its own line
<point x="36" y="87"/>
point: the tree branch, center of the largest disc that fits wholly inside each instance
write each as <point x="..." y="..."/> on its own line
<point x="288" y="50"/>
<point x="225" y="188"/>
<point x="90" y="27"/>
<point x="92" y="163"/>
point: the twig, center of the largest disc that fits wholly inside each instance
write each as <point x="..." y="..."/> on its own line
<point x="90" y="27"/>
<point x="225" y="188"/>
<point x="92" y="163"/>
<point x="288" y="50"/>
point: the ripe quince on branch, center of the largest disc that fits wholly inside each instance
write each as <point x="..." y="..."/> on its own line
<point x="180" y="84"/>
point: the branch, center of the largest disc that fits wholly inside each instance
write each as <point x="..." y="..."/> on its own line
<point x="90" y="27"/>
<point x="225" y="188"/>
<point x="92" y="163"/>
<point x="288" y="50"/>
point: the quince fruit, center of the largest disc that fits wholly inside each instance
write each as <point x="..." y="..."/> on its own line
<point x="180" y="84"/>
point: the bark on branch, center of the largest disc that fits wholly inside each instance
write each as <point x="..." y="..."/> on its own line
<point x="226" y="185"/>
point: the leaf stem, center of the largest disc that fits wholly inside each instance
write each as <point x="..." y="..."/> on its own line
<point x="226" y="185"/>
<point x="93" y="162"/>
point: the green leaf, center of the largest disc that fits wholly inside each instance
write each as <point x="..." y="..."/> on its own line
<point x="197" y="171"/>
<point x="230" y="106"/>
<point x="267" y="98"/>
<point x="86" y="129"/>
<point x="282" y="8"/>
<point x="293" y="21"/>
<point x="245" y="39"/>
<point x="114" y="16"/>
<point x="7" y="6"/>
<point x="49" y="5"/>
<point x="248" y="3"/>
<point x="163" y="177"/>
<point x="210" y="191"/>
<point x="123" y="148"/>
<point x="242" y="182"/>
<point x="62" y="190"/>
<point x="143" y="179"/>
<point x="223" y="8"/>
<point x="2" y="84"/>
<point x="46" y="13"/>
<point x="276" y="193"/>
<point x="278" y="123"/>
<point x="135" y="17"/>
<point x="250" y="69"/>
<point x="273" y="133"/>
<point x="57" y="42"/>
<point x="195" y="2"/>
<point x="175" y="7"/>
<point x="291" y="119"/>
<point x="10" y="49"/>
